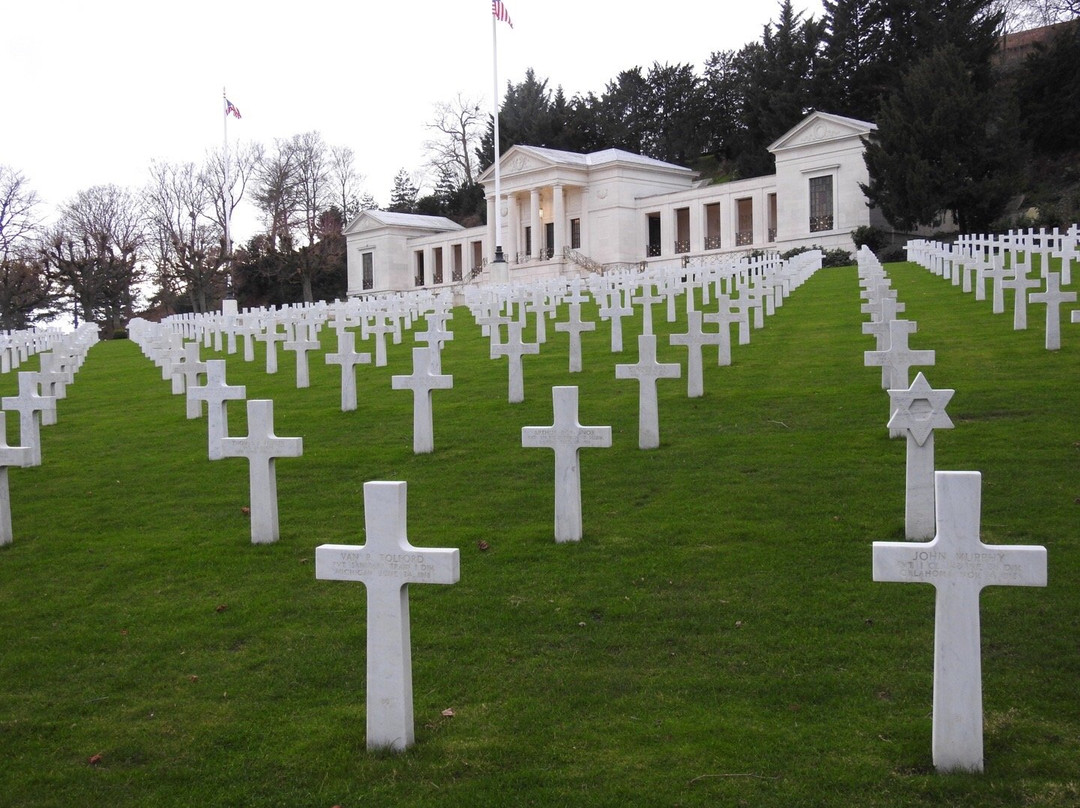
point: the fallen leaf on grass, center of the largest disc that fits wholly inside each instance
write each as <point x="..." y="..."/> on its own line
<point x="246" y="511"/>
<point x="220" y="608"/>
<point x="193" y="678"/>
<point x="94" y="760"/>
<point x="483" y="545"/>
<point x="448" y="713"/>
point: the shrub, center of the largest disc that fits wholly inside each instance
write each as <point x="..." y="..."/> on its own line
<point x="870" y="236"/>
<point x="829" y="258"/>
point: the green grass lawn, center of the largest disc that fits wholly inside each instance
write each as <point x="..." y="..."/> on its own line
<point x="715" y="638"/>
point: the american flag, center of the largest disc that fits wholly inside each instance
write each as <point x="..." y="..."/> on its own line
<point x="499" y="12"/>
<point x="230" y="109"/>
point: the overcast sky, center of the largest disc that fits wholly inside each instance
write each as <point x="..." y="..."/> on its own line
<point x="93" y="90"/>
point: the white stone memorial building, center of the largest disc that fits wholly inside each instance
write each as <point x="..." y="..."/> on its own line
<point x="565" y="214"/>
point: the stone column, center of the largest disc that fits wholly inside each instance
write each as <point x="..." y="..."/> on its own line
<point x="534" y="214"/>
<point x="667" y="231"/>
<point x="728" y="222"/>
<point x="490" y="246"/>
<point x="559" y="214"/>
<point x="697" y="226"/>
<point x="513" y="228"/>
<point x="761" y="217"/>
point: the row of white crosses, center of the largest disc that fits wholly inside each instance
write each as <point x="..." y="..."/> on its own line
<point x="567" y="436"/>
<point x="387" y="563"/>
<point x="296" y="329"/>
<point x="619" y="295"/>
<point x="261" y="447"/>
<point x="1007" y="261"/>
<point x="954" y="560"/>
<point x="35" y="403"/>
<point x="17" y="346"/>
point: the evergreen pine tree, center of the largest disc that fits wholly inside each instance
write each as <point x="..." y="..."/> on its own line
<point x="404" y="194"/>
<point x="942" y="145"/>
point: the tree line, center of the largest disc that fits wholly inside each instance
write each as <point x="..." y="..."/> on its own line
<point x="956" y="126"/>
<point x="109" y="242"/>
<point x="956" y="131"/>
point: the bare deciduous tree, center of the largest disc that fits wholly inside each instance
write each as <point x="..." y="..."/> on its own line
<point x="243" y="162"/>
<point x="18" y="213"/>
<point x="459" y="125"/>
<point x="94" y="251"/>
<point x="1022" y="15"/>
<point x="187" y="243"/>
<point x="277" y="192"/>
<point x="313" y="180"/>
<point x="346" y="181"/>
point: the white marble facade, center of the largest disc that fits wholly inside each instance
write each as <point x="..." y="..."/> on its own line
<point x="565" y="214"/>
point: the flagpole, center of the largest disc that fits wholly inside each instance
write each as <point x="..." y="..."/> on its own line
<point x="225" y="190"/>
<point x="500" y="273"/>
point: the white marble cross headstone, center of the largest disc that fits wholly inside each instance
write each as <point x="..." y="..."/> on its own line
<point x="190" y="368"/>
<point x="695" y="339"/>
<point x="380" y="328"/>
<point x="52" y="380"/>
<point x="958" y="565"/>
<point x="646" y="298"/>
<point x="262" y="447"/>
<point x="513" y="349"/>
<point x="615" y="311"/>
<point x="1053" y="297"/>
<point x="567" y="437"/>
<point x="997" y="273"/>
<point x="30" y="406"/>
<point x="647" y="371"/>
<point x="898" y="358"/>
<point x="920" y="410"/>
<point x="216" y="393"/>
<point x="387" y="563"/>
<point x="434" y="337"/>
<point x="724" y="316"/>
<point x="301" y="347"/>
<point x="422" y="382"/>
<point x="348" y="358"/>
<point x="271" y="337"/>
<point x="9" y="456"/>
<point x="1021" y="283"/>
<point x="574" y="326"/>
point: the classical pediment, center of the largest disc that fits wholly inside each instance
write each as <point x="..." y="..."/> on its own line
<point x="403" y="222"/>
<point x="520" y="162"/>
<point x="822" y="127"/>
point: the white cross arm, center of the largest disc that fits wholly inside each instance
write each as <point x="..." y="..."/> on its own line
<point x="418" y="565"/>
<point x="579" y="437"/>
<point x="991" y="565"/>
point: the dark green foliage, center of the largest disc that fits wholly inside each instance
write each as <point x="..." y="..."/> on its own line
<point x="873" y="237"/>
<point x="943" y="145"/>
<point x="660" y="114"/>
<point x="1048" y="88"/>
<point x="27" y="296"/>
<point x="266" y="274"/>
<point x="835" y="257"/>
<point x="404" y="194"/>
<point x="464" y="204"/>
<point x="777" y="91"/>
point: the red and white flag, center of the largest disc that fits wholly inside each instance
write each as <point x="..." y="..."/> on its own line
<point x="499" y="12"/>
